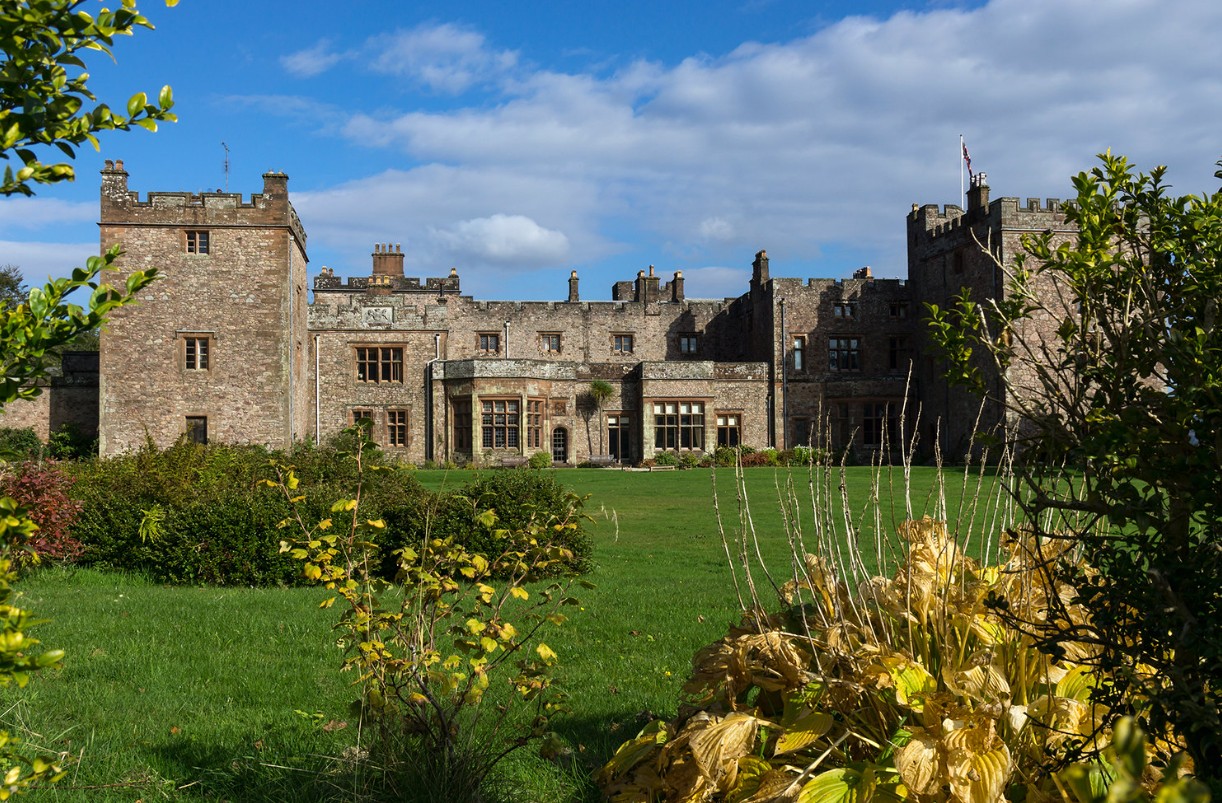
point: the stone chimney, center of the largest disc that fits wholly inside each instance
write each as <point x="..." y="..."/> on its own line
<point x="676" y="287"/>
<point x="759" y="269"/>
<point x="114" y="183"/>
<point x="978" y="193"/>
<point x="387" y="262"/>
<point x="863" y="273"/>
<point x="652" y="285"/>
<point x="574" y="296"/>
<point x="275" y="184"/>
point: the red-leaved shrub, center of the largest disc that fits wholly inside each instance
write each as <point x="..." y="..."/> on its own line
<point x="42" y="489"/>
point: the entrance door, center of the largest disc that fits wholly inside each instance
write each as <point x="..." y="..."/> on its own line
<point x="560" y="445"/>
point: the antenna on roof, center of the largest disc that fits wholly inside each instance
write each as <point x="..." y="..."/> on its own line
<point x="226" y="147"/>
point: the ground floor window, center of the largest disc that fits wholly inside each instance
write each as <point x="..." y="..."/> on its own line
<point x="878" y="425"/>
<point x="619" y="436"/>
<point x="396" y="428"/>
<point x="678" y="425"/>
<point x="729" y="429"/>
<point x="197" y="428"/>
<point x="500" y="423"/>
<point x="461" y="409"/>
<point x="534" y="424"/>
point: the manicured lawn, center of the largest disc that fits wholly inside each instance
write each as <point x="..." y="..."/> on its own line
<point x="191" y="693"/>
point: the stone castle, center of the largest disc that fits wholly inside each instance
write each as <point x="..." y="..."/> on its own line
<point x="229" y="347"/>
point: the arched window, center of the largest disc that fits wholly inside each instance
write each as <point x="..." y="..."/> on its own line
<point x="560" y="445"/>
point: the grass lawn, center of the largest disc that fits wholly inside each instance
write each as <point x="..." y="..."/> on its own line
<point x="191" y="693"/>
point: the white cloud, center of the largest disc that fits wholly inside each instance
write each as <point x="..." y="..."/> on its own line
<point x="19" y="213"/>
<point x="445" y="58"/>
<point x="311" y="61"/>
<point x="715" y="282"/>
<point x="505" y="240"/>
<point x="819" y="145"/>
<point x="40" y="261"/>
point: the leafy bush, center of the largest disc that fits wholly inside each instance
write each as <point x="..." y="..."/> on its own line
<point x="424" y="659"/>
<point x="205" y="517"/>
<point x="690" y="459"/>
<point x="19" y="443"/>
<point x="43" y="490"/>
<point x="69" y="442"/>
<point x="540" y="460"/>
<point x="520" y="499"/>
<point x="665" y="459"/>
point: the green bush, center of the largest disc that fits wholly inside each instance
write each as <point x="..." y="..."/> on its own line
<point x="519" y="498"/>
<point x="69" y="442"/>
<point x="207" y="520"/>
<point x="540" y="460"/>
<point x="666" y="459"/>
<point x="19" y="443"/>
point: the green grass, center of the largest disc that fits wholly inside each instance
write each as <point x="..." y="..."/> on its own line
<point x="190" y="693"/>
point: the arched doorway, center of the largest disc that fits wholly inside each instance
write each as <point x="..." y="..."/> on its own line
<point x="560" y="445"/>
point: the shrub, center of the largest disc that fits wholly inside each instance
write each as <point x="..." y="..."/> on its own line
<point x="43" y="490"/>
<point x="69" y="442"/>
<point x="540" y="460"/>
<point x="520" y="499"/>
<point x="665" y="459"/>
<point x="209" y="520"/>
<point x="19" y="443"/>
<point x="690" y="459"/>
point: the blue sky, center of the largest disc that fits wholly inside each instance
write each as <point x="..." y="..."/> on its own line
<point x="519" y="141"/>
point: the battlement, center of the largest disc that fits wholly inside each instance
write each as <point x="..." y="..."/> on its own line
<point x="434" y="285"/>
<point x="268" y="208"/>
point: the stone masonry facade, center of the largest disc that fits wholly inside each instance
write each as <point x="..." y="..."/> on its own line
<point x="227" y="346"/>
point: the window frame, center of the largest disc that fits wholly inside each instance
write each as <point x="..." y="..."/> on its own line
<point x="461" y="410"/>
<point x="548" y="339"/>
<point x="689" y="344"/>
<point x="723" y="424"/>
<point x="508" y="426"/>
<point x="488" y="343"/>
<point x="845" y="310"/>
<point x="899" y="354"/>
<point x="197" y="242"/>
<point x="844" y="353"/>
<point x="372" y="362"/>
<point x="195" y="424"/>
<point x="878" y="423"/>
<point x="798" y="349"/>
<point x="899" y="310"/>
<point x="534" y="423"/>
<point x="623" y="343"/>
<point x="672" y="431"/>
<point x="397" y="432"/>
<point x="191" y="355"/>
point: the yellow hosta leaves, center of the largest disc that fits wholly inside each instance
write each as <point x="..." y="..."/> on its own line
<point x="919" y="764"/>
<point x="804" y="732"/>
<point x="912" y="681"/>
<point x="723" y="743"/>
<point x="978" y="763"/>
<point x="841" y="785"/>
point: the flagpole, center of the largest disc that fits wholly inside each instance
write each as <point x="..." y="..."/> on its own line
<point x="962" y="188"/>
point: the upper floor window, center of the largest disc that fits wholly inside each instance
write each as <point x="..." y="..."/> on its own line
<point x="197" y="242"/>
<point x="845" y="309"/>
<point x="622" y="344"/>
<point x="489" y="343"/>
<point x="196" y="351"/>
<point x="898" y="353"/>
<point x="549" y="342"/>
<point x="899" y="309"/>
<point x="844" y="354"/>
<point x="378" y="364"/>
<point x="689" y="344"/>
<point x="799" y="353"/>
<point x="361" y="414"/>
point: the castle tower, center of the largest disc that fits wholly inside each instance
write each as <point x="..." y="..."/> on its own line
<point x="953" y="250"/>
<point x="215" y="349"/>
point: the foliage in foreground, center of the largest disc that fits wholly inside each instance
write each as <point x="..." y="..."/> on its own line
<point x="909" y="687"/>
<point x="427" y="656"/>
<point x="1109" y="352"/>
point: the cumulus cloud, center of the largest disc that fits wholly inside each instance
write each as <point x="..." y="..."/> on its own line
<point x="40" y="261"/>
<point x="818" y="145"/>
<point x="311" y="61"/>
<point x="443" y="57"/>
<point x="505" y="240"/>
